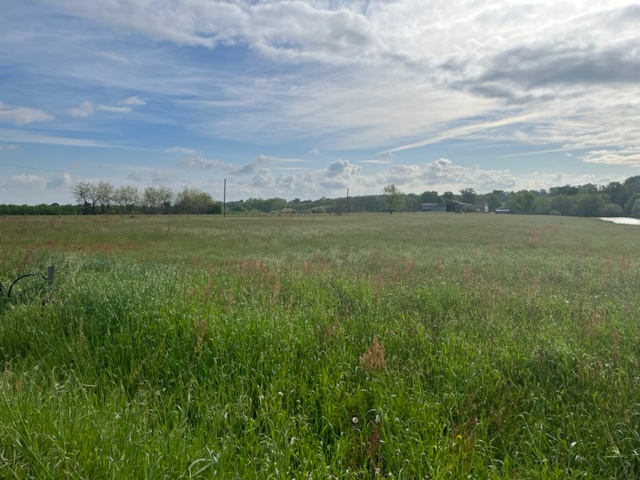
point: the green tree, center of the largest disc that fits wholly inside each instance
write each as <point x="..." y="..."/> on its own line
<point x="259" y="204"/>
<point x="411" y="202"/>
<point x="564" y="190"/>
<point x="632" y="185"/>
<point x="501" y="194"/>
<point x="588" y="188"/>
<point x="628" y="206"/>
<point x="275" y="204"/>
<point x="541" y="205"/>
<point x="368" y="203"/>
<point x="393" y="198"/>
<point x="612" y="210"/>
<point x="468" y="195"/>
<point x="448" y="197"/>
<point x="493" y="201"/>
<point x="521" y="202"/>
<point x="616" y="193"/>
<point x="192" y="200"/>
<point x="588" y="204"/>
<point x="430" y="197"/>
<point x="562" y="204"/>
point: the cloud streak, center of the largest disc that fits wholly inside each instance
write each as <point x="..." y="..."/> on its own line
<point x="24" y="136"/>
<point x="23" y="115"/>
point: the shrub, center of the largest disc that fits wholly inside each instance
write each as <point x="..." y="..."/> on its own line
<point x="612" y="210"/>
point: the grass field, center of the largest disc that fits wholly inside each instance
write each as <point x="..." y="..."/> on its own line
<point x="360" y="346"/>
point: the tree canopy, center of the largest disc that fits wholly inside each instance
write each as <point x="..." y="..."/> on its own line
<point x="393" y="198"/>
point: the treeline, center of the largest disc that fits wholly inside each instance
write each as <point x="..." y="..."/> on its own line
<point x="42" y="209"/>
<point x="105" y="198"/>
<point x="614" y="199"/>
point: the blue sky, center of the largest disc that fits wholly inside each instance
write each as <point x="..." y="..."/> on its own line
<point x="311" y="98"/>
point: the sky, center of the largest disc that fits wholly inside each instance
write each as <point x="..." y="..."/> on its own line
<point x="309" y="99"/>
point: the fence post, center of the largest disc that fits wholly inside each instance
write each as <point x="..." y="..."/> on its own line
<point x="51" y="273"/>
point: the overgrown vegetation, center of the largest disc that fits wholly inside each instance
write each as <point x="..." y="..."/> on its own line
<point x="396" y="346"/>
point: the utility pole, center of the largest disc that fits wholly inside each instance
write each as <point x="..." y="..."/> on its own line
<point x="224" y="199"/>
<point x="347" y="201"/>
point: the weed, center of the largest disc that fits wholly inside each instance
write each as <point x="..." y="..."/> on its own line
<point x="373" y="359"/>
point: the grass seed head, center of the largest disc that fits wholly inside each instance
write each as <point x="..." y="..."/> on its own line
<point x="373" y="359"/>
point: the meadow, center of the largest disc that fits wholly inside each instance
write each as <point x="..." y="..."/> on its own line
<point x="410" y="346"/>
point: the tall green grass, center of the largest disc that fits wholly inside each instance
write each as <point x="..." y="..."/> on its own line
<point x="405" y="346"/>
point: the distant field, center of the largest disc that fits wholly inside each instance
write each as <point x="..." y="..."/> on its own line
<point x="354" y="346"/>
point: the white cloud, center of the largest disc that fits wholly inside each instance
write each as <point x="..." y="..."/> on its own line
<point x="264" y="179"/>
<point x="23" y="115"/>
<point x="409" y="31"/>
<point x="113" y="109"/>
<point x="467" y="130"/>
<point x="390" y="76"/>
<point x="182" y="151"/>
<point x="18" y="182"/>
<point x="85" y="109"/>
<point x="134" y="101"/>
<point x="257" y="163"/>
<point x="335" y="177"/>
<point x="138" y="176"/>
<point x="161" y="176"/>
<point x="59" y="181"/>
<point x="25" y="136"/>
<point x="441" y="175"/>
<point x="376" y="162"/>
<point x="116" y="57"/>
<point x="262" y="161"/>
<point x="342" y="168"/>
<point x="23" y="188"/>
<point x="8" y="148"/>
<point x="378" y="74"/>
<point x="198" y="162"/>
<point x="617" y="156"/>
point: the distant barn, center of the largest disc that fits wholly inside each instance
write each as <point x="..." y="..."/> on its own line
<point x="453" y="206"/>
<point x="434" y="207"/>
<point x="480" y="208"/>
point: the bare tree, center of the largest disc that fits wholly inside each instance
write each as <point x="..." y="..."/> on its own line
<point x="104" y="195"/>
<point x="151" y="198"/>
<point x="127" y="197"/>
<point x="157" y="198"/>
<point x="85" y="194"/>
<point x="166" y="195"/>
